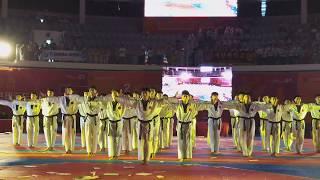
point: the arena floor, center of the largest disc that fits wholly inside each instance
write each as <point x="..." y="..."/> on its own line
<point x="23" y="163"/>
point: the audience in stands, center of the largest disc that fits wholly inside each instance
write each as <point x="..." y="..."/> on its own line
<point x="246" y="41"/>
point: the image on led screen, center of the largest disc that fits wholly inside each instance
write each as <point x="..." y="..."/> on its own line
<point x="191" y="8"/>
<point x="199" y="81"/>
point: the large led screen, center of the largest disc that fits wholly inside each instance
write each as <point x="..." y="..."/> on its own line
<point x="191" y="8"/>
<point x="199" y="81"/>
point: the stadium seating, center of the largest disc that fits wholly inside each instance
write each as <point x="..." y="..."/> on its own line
<point x="269" y="40"/>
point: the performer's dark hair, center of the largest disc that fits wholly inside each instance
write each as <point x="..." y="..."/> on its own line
<point x="33" y="92"/>
<point x="165" y="95"/>
<point x="93" y="87"/>
<point x="50" y="89"/>
<point x="214" y="94"/>
<point x="185" y="92"/>
<point x="144" y="89"/>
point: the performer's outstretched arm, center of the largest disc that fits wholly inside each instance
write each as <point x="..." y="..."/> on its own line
<point x="6" y="103"/>
<point x="203" y="106"/>
<point x="126" y="101"/>
<point x="227" y="105"/>
<point x="264" y="107"/>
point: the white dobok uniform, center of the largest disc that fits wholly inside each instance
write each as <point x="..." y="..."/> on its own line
<point x="18" y="110"/>
<point x="298" y="127"/>
<point x="50" y="110"/>
<point x="33" y="110"/>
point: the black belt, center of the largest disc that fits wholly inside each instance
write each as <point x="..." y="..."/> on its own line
<point x="213" y="118"/>
<point x="317" y="120"/>
<point x="144" y="122"/>
<point x="298" y="121"/>
<point x="33" y="116"/>
<point x="105" y="123"/>
<point x="263" y="119"/>
<point x="161" y="122"/>
<point x="51" y="117"/>
<point x="183" y="123"/>
<point x="272" y="125"/>
<point x="216" y="119"/>
<point x="91" y="115"/>
<point x="286" y="121"/>
<point x="19" y="118"/>
<point x="70" y="115"/>
<point x="112" y="122"/>
<point x="244" y="122"/>
<point x="104" y="119"/>
<point x="129" y="119"/>
<point x="56" y="115"/>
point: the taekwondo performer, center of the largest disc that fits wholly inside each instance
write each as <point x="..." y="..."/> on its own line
<point x="314" y="109"/>
<point x="128" y="125"/>
<point x="234" y="123"/>
<point x="194" y="127"/>
<point x="247" y="111"/>
<point x="50" y="111"/>
<point x="299" y="113"/>
<point x="287" y="118"/>
<point x="263" y="124"/>
<point x="185" y="112"/>
<point x="215" y="109"/>
<point x="115" y="112"/>
<point x="273" y="129"/>
<point x="166" y="116"/>
<point x="135" y="124"/>
<point x="146" y="109"/>
<point x="91" y="108"/>
<point x="83" y="120"/>
<point x="18" y="109"/>
<point x="69" y="107"/>
<point x="33" y="108"/>
<point x="103" y="125"/>
<point x="156" y="124"/>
